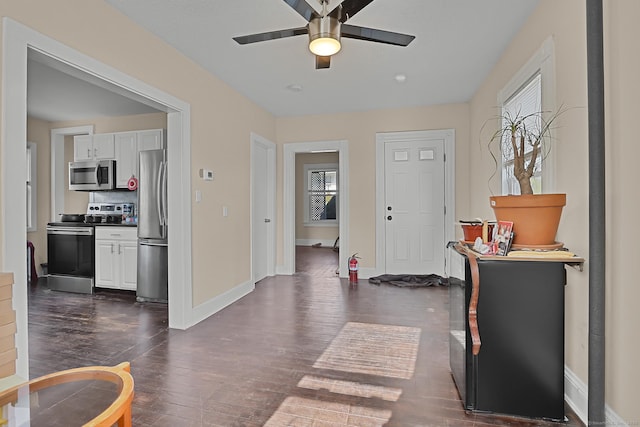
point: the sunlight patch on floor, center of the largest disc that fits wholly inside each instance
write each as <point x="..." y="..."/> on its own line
<point x="298" y="411"/>
<point x="350" y="388"/>
<point x="384" y="350"/>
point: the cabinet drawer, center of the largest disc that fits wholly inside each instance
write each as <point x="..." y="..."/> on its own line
<point x="116" y="233"/>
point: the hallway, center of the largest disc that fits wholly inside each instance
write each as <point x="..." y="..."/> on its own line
<point x="271" y="358"/>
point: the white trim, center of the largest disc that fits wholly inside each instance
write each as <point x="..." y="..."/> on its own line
<point x="449" y="137"/>
<point x="33" y="194"/>
<point x="16" y="41"/>
<point x="576" y="395"/>
<point x="207" y="308"/>
<point x="289" y="189"/>
<point x="271" y="200"/>
<point x="542" y="61"/>
<point x="58" y="183"/>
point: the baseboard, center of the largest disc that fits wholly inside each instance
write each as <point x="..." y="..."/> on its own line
<point x="310" y="242"/>
<point x="206" y="309"/>
<point x="576" y="395"/>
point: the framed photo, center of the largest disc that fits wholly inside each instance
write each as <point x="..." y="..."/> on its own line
<point x="503" y="237"/>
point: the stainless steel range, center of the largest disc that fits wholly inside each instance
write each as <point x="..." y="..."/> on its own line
<point x="71" y="246"/>
<point x="71" y="253"/>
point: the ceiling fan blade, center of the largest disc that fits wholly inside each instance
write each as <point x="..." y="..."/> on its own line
<point x="323" y="62"/>
<point x="373" y="35"/>
<point x="348" y="8"/>
<point x="271" y="35"/>
<point x="303" y="8"/>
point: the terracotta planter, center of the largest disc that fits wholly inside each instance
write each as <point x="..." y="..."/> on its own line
<point x="535" y="216"/>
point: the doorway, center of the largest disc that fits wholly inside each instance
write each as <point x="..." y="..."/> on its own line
<point x="17" y="40"/>
<point x="415" y="191"/>
<point x="289" y="245"/>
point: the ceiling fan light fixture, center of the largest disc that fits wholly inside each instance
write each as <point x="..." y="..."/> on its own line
<point x="324" y="36"/>
<point x="324" y="46"/>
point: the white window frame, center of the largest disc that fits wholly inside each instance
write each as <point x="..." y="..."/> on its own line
<point x="542" y="63"/>
<point x="317" y="167"/>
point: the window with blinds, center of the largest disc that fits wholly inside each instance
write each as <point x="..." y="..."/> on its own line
<point x="525" y="101"/>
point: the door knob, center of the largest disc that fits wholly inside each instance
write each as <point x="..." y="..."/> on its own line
<point x="389" y="217"/>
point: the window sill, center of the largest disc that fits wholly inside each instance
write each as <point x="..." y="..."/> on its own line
<point x="329" y="223"/>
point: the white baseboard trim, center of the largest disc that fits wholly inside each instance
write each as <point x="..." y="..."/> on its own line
<point x="576" y="395"/>
<point x="310" y="242"/>
<point x="206" y="309"/>
<point x="365" y="273"/>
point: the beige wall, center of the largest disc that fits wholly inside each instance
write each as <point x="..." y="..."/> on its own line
<point x="359" y="130"/>
<point x="622" y="68"/>
<point x="38" y="131"/>
<point x="75" y="202"/>
<point x="302" y="231"/>
<point x="221" y="123"/>
<point x="565" y="21"/>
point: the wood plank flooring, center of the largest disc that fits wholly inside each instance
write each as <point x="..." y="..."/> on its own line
<point x="256" y="363"/>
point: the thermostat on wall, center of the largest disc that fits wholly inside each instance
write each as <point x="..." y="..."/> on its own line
<point x="206" y="174"/>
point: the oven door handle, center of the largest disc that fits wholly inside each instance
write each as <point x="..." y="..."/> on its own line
<point x="70" y="231"/>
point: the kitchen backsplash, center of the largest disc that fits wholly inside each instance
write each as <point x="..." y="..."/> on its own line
<point x="113" y="197"/>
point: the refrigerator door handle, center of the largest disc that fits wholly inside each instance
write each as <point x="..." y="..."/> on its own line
<point x="164" y="195"/>
<point x="159" y="194"/>
<point x="143" y="243"/>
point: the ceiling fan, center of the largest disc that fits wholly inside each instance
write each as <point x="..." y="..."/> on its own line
<point x="326" y="29"/>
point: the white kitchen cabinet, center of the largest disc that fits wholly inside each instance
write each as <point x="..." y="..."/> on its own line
<point x="126" y="155"/>
<point x="93" y="147"/>
<point x="116" y="264"/>
<point x="150" y="139"/>
<point x="127" y="147"/>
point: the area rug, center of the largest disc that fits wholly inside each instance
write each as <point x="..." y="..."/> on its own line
<point x="299" y="411"/>
<point x="410" y="280"/>
<point x="368" y="348"/>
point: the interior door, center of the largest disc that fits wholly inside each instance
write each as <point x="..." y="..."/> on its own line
<point x="414" y="206"/>
<point x="262" y="212"/>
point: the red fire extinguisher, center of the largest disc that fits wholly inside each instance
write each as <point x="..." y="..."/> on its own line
<point x="353" y="269"/>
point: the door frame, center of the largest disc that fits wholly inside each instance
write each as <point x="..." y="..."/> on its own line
<point x="257" y="140"/>
<point x="16" y="41"/>
<point x="448" y="135"/>
<point x="289" y="191"/>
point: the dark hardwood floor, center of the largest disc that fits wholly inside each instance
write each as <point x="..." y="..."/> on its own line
<point x="268" y="358"/>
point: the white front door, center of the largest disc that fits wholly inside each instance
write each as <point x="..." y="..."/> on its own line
<point x="263" y="221"/>
<point x="414" y="206"/>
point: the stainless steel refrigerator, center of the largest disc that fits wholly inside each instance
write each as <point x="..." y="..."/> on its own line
<point x="152" y="227"/>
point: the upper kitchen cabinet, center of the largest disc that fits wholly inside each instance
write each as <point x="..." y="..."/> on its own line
<point x="127" y="147"/>
<point x="93" y="147"/>
<point x="150" y="139"/>
<point x="126" y="157"/>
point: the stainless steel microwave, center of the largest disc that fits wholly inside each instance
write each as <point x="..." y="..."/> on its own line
<point x="92" y="175"/>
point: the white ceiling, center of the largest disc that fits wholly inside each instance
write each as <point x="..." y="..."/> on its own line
<point x="457" y="43"/>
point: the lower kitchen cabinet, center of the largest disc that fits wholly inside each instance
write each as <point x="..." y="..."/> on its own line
<point x="116" y="257"/>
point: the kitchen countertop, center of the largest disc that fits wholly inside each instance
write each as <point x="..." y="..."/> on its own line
<point x="104" y="224"/>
